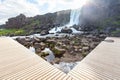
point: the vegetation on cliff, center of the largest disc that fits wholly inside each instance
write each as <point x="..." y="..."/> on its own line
<point x="11" y="32"/>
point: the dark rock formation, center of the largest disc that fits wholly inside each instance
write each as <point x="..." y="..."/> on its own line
<point x="16" y="22"/>
<point x="66" y="30"/>
<point x="38" y="23"/>
<point x="44" y="32"/>
<point x="58" y="52"/>
<point x="63" y="17"/>
<point x="101" y="16"/>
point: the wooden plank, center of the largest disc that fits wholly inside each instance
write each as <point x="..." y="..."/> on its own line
<point x="18" y="63"/>
<point x="103" y="63"/>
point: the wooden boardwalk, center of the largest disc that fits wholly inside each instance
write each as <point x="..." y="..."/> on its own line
<point x="103" y="63"/>
<point x="18" y="63"/>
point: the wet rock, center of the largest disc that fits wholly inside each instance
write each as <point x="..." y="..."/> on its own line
<point x="44" y="32"/>
<point x="85" y="44"/>
<point x="84" y="40"/>
<point x="42" y="44"/>
<point x="48" y="55"/>
<point x="52" y="41"/>
<point x="57" y="60"/>
<point x="37" y="45"/>
<point x="102" y="35"/>
<point x="28" y="39"/>
<point x="66" y="30"/>
<point x="85" y="48"/>
<point x="24" y="42"/>
<point x="44" y="54"/>
<point x="36" y="39"/>
<point x="38" y="50"/>
<point x="58" y="52"/>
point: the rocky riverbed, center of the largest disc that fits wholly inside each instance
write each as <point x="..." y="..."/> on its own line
<point x="65" y="49"/>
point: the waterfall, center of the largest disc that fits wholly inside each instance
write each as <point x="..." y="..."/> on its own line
<point x="74" y="17"/>
<point x="74" y="20"/>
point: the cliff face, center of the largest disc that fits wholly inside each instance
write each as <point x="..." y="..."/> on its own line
<point x="63" y="17"/>
<point x="102" y="15"/>
<point x="16" y="22"/>
<point x="21" y="21"/>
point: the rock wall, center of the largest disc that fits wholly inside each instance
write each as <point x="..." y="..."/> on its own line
<point x="49" y="19"/>
<point x="16" y="22"/>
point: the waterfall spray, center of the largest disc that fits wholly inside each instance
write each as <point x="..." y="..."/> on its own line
<point x="74" y="17"/>
<point x="74" y="20"/>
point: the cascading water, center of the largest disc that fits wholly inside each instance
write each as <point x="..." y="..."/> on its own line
<point x="74" y="17"/>
<point x="74" y="20"/>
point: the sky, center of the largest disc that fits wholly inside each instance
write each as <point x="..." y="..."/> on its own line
<point x="12" y="8"/>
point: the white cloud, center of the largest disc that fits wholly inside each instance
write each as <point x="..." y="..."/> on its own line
<point x="11" y="8"/>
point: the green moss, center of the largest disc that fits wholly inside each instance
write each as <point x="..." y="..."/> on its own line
<point x="6" y="32"/>
<point x="43" y="54"/>
<point x="84" y="54"/>
<point x="57" y="53"/>
<point x="32" y="23"/>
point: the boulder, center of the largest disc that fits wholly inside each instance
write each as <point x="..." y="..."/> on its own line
<point x="44" y="54"/>
<point x="44" y="32"/>
<point x="28" y="39"/>
<point x="39" y="45"/>
<point x="85" y="48"/>
<point x="36" y="39"/>
<point x="50" y="43"/>
<point x="58" y="52"/>
<point x="66" y="30"/>
<point x="36" y="45"/>
<point x="37" y="50"/>
<point x="24" y="42"/>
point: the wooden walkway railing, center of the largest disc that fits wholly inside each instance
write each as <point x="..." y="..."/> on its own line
<point x="18" y="63"/>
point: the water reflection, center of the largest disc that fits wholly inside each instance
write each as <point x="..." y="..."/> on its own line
<point x="51" y="56"/>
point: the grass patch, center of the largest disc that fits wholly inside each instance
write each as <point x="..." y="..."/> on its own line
<point x="9" y="32"/>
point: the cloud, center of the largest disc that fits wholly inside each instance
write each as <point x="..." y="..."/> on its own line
<point x="12" y="8"/>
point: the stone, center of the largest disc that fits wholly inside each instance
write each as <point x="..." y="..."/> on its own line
<point x="85" y="48"/>
<point x="36" y="39"/>
<point x="57" y="60"/>
<point x="66" y="30"/>
<point x="44" y="32"/>
<point x="44" y="54"/>
<point x="37" y="45"/>
<point x="58" y="52"/>
<point x="24" y="42"/>
<point x="37" y="50"/>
